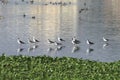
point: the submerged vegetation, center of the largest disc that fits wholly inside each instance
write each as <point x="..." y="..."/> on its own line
<point x="47" y="68"/>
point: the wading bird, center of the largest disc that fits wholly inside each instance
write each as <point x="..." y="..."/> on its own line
<point x="19" y="41"/>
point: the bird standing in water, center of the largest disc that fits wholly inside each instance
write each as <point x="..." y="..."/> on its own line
<point x="104" y="39"/>
<point x="60" y="39"/>
<point x="30" y="41"/>
<point x="75" y="41"/>
<point x="49" y="41"/>
<point x="89" y="42"/>
<point x="35" y="40"/>
<point x="19" y="41"/>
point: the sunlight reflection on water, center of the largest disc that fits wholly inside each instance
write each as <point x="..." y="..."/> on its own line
<point x="25" y="20"/>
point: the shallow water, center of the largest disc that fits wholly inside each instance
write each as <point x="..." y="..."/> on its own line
<point x="101" y="19"/>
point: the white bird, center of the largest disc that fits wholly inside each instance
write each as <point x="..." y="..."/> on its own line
<point x="89" y="42"/>
<point x="60" y="39"/>
<point x="49" y="41"/>
<point x="75" y="41"/>
<point x="35" y="40"/>
<point x="30" y="41"/>
<point x="56" y="43"/>
<point x="104" y="39"/>
<point x="20" y="42"/>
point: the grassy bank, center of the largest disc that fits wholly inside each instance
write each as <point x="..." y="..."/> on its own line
<point x="47" y="68"/>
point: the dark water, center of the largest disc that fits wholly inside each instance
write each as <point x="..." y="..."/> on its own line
<point x="101" y="19"/>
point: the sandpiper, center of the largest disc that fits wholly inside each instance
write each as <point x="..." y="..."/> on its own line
<point x="20" y="42"/>
<point x="60" y="39"/>
<point x="75" y="41"/>
<point x="49" y="41"/>
<point x="104" y="39"/>
<point x="35" y="40"/>
<point x="30" y="41"/>
<point x="89" y="42"/>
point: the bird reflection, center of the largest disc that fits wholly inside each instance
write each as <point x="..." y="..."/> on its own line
<point x="105" y="45"/>
<point x="58" y="48"/>
<point x="57" y="43"/>
<point x="50" y="49"/>
<point x="32" y="48"/>
<point x="35" y="46"/>
<point x="75" y="49"/>
<point x="20" y="50"/>
<point x="89" y="50"/>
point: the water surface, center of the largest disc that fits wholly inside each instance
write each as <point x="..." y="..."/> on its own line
<point x="51" y="21"/>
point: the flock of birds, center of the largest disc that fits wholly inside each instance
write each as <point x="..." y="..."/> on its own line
<point x="61" y="3"/>
<point x="50" y="3"/>
<point x="59" y="43"/>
